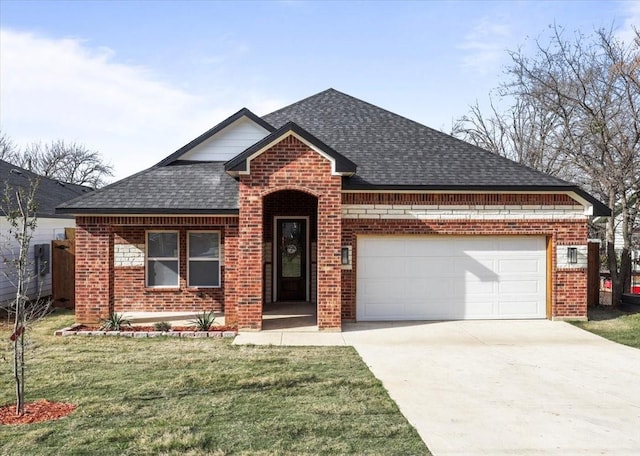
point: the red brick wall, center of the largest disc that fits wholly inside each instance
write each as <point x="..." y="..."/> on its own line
<point x="568" y="296"/>
<point x="288" y="168"/>
<point x="570" y="293"/>
<point x="457" y="198"/>
<point x="130" y="293"/>
<point x="94" y="281"/>
<point x="289" y="165"/>
<point x="101" y="287"/>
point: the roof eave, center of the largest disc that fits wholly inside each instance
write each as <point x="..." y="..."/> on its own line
<point x="75" y="211"/>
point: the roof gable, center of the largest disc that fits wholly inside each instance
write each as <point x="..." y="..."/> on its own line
<point x="224" y="141"/>
<point x="241" y="164"/>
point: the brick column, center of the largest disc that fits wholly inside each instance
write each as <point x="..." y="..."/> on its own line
<point x="230" y="275"/>
<point x="94" y="275"/>
<point x="249" y="260"/>
<point x="329" y="267"/>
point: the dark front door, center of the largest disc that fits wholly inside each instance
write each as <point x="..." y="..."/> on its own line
<point x="292" y="260"/>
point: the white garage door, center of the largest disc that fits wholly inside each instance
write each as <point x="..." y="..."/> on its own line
<point x="450" y="278"/>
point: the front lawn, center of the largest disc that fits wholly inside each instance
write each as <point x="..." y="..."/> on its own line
<point x="615" y="325"/>
<point x="201" y="396"/>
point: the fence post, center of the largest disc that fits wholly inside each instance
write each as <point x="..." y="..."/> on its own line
<point x="593" y="273"/>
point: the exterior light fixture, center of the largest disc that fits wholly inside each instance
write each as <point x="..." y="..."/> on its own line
<point x="344" y="256"/>
<point x="572" y="255"/>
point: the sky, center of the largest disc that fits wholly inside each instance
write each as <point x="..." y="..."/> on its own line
<point x="137" y="80"/>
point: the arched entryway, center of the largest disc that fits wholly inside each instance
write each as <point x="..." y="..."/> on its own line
<point x="290" y="259"/>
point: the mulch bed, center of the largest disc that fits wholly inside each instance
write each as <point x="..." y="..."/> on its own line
<point x="36" y="412"/>
<point x="151" y="328"/>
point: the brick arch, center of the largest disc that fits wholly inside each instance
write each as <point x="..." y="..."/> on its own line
<point x="289" y="202"/>
<point x="295" y="188"/>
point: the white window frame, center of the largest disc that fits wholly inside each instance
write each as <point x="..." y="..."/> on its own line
<point x="148" y="258"/>
<point x="218" y="258"/>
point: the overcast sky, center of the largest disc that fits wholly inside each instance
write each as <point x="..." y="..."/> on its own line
<point x="138" y="80"/>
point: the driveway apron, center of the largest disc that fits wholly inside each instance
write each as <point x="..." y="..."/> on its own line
<point x="507" y="387"/>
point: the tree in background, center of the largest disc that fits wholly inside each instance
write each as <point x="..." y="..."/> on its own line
<point x="8" y="150"/>
<point x="575" y="113"/>
<point x="19" y="208"/>
<point x="64" y="161"/>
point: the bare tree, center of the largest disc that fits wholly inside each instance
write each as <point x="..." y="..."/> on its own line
<point x="19" y="208"/>
<point x="524" y="133"/>
<point x="580" y="99"/>
<point x="68" y="162"/>
<point x="8" y="150"/>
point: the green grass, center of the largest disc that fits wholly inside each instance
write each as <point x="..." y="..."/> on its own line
<point x="615" y="325"/>
<point x="201" y="396"/>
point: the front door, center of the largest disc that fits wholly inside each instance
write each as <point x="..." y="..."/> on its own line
<point x="291" y="253"/>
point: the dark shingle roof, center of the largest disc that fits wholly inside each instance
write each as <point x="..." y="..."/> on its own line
<point x="50" y="192"/>
<point x="391" y="150"/>
<point x="387" y="151"/>
<point x="180" y="188"/>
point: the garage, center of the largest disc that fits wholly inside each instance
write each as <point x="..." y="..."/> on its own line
<point x="450" y="277"/>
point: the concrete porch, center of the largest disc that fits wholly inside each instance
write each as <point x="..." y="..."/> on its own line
<point x="290" y="316"/>
<point x="278" y="316"/>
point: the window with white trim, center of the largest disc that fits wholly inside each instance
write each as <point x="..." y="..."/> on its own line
<point x="203" y="261"/>
<point x="163" y="255"/>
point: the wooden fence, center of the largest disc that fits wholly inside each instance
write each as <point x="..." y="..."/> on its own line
<point x="63" y="256"/>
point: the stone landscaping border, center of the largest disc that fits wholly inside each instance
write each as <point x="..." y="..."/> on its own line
<point x="70" y="331"/>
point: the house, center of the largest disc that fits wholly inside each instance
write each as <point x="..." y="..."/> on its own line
<point x="599" y="232"/>
<point x="50" y="226"/>
<point x="337" y="202"/>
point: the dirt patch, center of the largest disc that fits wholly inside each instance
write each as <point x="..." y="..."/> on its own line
<point x="36" y="412"/>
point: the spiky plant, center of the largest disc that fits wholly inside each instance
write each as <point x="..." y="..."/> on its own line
<point x="162" y="326"/>
<point x="115" y="322"/>
<point x="204" y="321"/>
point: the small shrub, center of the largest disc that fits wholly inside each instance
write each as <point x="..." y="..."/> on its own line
<point x="204" y="321"/>
<point x="162" y="326"/>
<point x="115" y="322"/>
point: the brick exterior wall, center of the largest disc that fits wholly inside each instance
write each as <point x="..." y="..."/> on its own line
<point x="94" y="277"/>
<point x="104" y="285"/>
<point x="458" y="199"/>
<point x="290" y="179"/>
<point x="568" y="287"/>
<point x="290" y="165"/>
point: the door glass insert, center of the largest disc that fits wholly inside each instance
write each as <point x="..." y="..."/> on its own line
<point x="291" y="249"/>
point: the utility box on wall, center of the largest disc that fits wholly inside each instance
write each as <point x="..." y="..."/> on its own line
<point x="42" y="258"/>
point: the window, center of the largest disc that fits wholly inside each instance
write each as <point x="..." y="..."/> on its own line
<point x="204" y="259"/>
<point x="162" y="259"/>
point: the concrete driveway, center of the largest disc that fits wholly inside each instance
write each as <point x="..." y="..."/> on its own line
<point x="507" y="387"/>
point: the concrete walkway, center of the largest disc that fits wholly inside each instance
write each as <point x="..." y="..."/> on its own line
<point x="499" y="387"/>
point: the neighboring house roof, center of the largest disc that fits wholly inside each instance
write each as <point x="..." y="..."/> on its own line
<point x="378" y="149"/>
<point x="50" y="192"/>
